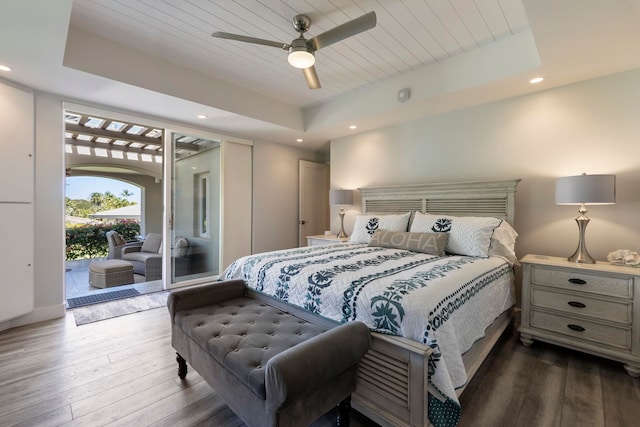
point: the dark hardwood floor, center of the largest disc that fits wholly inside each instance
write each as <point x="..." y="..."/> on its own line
<point x="546" y="385"/>
<point x="122" y="372"/>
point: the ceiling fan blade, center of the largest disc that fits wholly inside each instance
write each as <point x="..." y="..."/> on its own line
<point x="312" y="78"/>
<point x="343" y="31"/>
<point x="223" y="35"/>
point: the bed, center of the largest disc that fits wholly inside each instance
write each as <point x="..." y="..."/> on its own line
<point x="434" y="316"/>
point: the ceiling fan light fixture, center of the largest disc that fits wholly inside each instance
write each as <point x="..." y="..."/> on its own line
<point x="300" y="55"/>
<point x="301" y="58"/>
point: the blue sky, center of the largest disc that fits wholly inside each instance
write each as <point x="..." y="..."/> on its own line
<point x="79" y="187"/>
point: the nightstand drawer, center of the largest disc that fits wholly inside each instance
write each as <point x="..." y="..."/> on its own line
<point x="605" y="335"/>
<point x="322" y="240"/>
<point x="583" y="281"/>
<point x="578" y="303"/>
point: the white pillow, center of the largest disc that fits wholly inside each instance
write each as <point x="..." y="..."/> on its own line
<point x="470" y="236"/>
<point x="366" y="225"/>
<point x="503" y="243"/>
<point x="181" y="247"/>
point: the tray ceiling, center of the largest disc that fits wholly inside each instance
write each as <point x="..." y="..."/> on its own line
<point x="157" y="59"/>
<point x="410" y="35"/>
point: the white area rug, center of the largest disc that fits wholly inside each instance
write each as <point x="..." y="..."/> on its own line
<point x="107" y="310"/>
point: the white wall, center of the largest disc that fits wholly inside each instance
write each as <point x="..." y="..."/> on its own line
<point x="275" y="194"/>
<point x="591" y="127"/>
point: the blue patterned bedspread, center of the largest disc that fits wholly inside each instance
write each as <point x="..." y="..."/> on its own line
<point x="443" y="302"/>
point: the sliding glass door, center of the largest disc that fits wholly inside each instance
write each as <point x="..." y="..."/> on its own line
<point x="193" y="225"/>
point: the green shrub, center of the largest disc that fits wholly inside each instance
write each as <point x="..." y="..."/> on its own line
<point x="90" y="240"/>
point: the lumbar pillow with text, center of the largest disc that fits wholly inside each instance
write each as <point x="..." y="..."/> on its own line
<point x="366" y="225"/>
<point x="470" y="236"/>
<point x="428" y="243"/>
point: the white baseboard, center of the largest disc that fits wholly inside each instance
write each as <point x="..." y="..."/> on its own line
<point x="39" y="314"/>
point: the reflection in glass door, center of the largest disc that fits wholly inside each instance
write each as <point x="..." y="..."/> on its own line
<point x="194" y="225"/>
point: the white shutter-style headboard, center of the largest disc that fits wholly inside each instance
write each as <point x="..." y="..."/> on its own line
<point x="465" y="198"/>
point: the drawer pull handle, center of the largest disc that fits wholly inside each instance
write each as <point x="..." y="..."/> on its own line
<point x="578" y="281"/>
<point x="577" y="328"/>
<point x="576" y="304"/>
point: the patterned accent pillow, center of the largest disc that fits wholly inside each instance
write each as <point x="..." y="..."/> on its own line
<point x="428" y="243"/>
<point x="470" y="236"/>
<point x="366" y="225"/>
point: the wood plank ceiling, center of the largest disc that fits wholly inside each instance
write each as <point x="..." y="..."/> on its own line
<point x="410" y="35"/>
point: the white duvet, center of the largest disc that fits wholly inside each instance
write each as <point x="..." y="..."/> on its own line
<point x="443" y="302"/>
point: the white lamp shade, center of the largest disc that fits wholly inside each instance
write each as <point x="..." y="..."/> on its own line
<point x="586" y="189"/>
<point x="341" y="197"/>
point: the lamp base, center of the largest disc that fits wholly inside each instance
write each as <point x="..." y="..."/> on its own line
<point x="581" y="255"/>
<point x="342" y="234"/>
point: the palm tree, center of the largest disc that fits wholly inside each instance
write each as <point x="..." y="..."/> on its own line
<point x="95" y="199"/>
<point x="126" y="193"/>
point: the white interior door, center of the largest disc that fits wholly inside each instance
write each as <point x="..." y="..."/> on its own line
<point x="313" y="199"/>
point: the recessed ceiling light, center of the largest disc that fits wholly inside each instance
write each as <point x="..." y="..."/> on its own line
<point x="4" y="68"/>
<point x="536" y="80"/>
<point x="201" y="116"/>
<point x="353" y="127"/>
<point x="299" y="140"/>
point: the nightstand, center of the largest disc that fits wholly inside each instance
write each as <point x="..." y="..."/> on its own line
<point x="321" y="240"/>
<point x="593" y="308"/>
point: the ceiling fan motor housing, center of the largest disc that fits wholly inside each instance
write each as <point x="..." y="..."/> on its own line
<point x="301" y="23"/>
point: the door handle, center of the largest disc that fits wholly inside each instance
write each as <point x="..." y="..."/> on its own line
<point x="303" y="222"/>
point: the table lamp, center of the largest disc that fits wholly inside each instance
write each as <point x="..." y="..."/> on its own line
<point x="585" y="190"/>
<point x="341" y="198"/>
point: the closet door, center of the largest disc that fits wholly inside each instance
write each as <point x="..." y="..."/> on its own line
<point x="16" y="145"/>
<point x="16" y="262"/>
<point x="237" y="201"/>
<point x="16" y="201"/>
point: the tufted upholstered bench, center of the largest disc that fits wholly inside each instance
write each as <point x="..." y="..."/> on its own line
<point x="270" y="367"/>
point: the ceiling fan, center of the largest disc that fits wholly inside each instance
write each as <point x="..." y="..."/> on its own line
<point x="302" y="50"/>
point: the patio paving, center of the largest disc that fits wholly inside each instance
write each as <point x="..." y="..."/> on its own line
<point x="77" y="281"/>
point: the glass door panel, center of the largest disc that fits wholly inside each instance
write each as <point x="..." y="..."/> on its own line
<point x="194" y="224"/>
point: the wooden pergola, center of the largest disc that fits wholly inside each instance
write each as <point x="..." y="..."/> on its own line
<point x="94" y="135"/>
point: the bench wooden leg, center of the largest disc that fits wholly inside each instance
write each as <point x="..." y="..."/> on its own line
<point x="343" y="412"/>
<point x="182" y="366"/>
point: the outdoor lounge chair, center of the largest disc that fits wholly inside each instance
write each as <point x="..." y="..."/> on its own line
<point x="146" y="258"/>
<point x="117" y="243"/>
